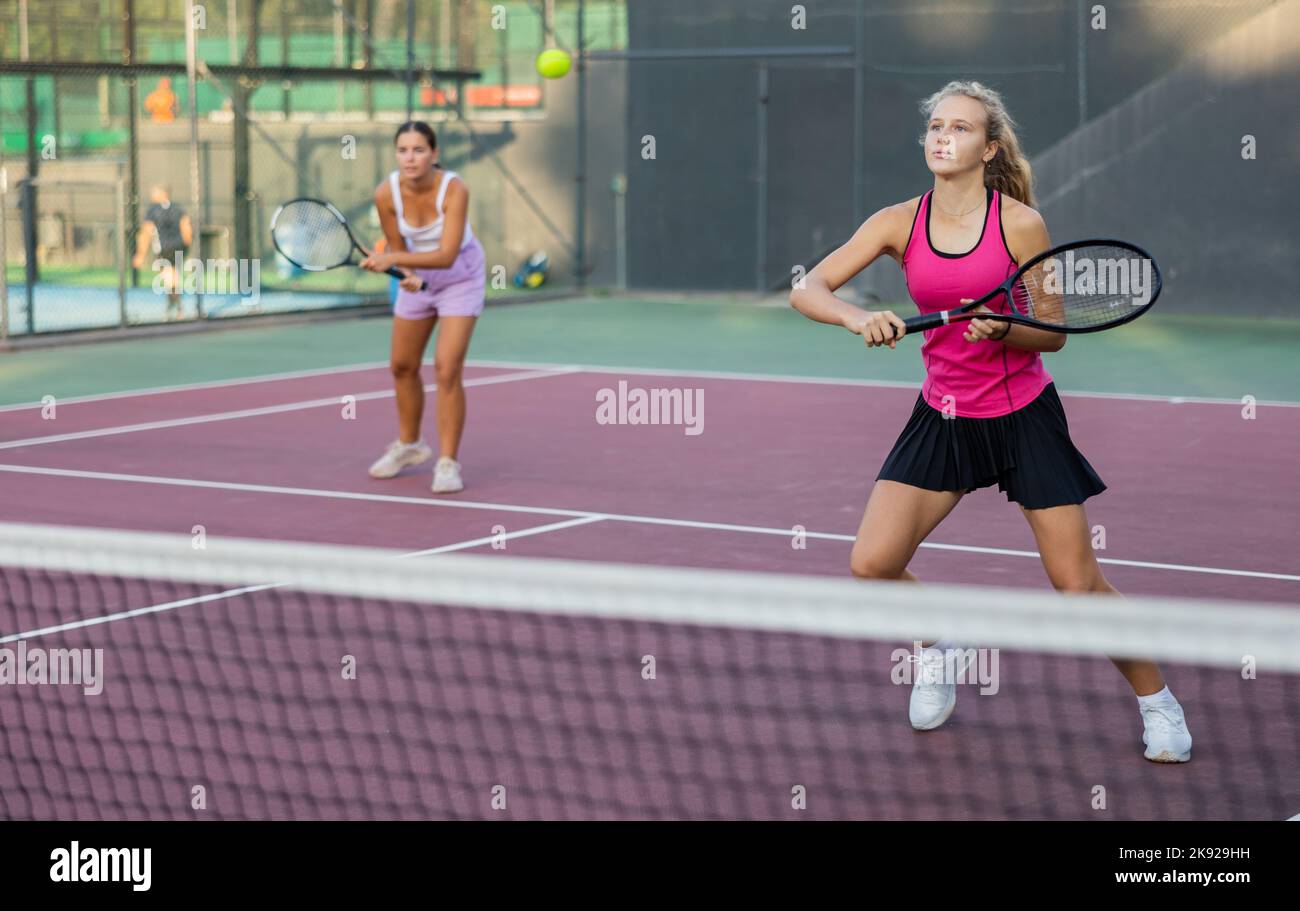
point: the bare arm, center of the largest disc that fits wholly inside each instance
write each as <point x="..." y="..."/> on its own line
<point x="816" y="298"/>
<point x="187" y="230"/>
<point x="388" y="218"/>
<point x="395" y="243"/>
<point x="142" y="239"/>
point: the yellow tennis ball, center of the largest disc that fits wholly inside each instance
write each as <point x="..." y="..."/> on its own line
<point x="553" y="63"/>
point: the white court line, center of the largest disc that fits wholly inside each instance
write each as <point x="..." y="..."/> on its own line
<point x="582" y="513"/>
<point x="205" y="384"/>
<point x="507" y="536"/>
<point x="259" y="412"/>
<point x="247" y="589"/>
<point x="640" y="371"/>
<point x="881" y="384"/>
<point x="137" y="612"/>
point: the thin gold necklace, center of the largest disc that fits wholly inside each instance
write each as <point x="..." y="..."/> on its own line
<point x="967" y="212"/>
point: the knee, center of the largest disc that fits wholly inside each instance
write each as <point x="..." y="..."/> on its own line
<point x="866" y="564"/>
<point x="404" y="369"/>
<point x="447" y="376"/>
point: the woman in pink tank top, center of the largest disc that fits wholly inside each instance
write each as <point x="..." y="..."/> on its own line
<point x="988" y="412"/>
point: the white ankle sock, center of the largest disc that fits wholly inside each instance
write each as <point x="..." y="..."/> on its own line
<point x="1164" y="697"/>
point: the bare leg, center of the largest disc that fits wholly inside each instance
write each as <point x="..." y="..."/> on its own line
<point x="172" y="282"/>
<point x="897" y="519"/>
<point x="410" y="336"/>
<point x="449" y="365"/>
<point x="1065" y="544"/>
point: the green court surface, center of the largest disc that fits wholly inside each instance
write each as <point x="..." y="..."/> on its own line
<point x="1161" y="355"/>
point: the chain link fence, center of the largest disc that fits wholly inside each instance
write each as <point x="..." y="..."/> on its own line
<point x="291" y="98"/>
<point x="779" y="129"/>
<point x="698" y="144"/>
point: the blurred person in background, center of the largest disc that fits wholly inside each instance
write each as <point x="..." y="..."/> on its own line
<point x="161" y="102"/>
<point x="168" y="231"/>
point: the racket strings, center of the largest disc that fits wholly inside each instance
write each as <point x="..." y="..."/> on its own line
<point x="1086" y="287"/>
<point x="311" y="235"/>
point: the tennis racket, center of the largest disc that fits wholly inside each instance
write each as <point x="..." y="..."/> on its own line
<point x="1084" y="286"/>
<point x="313" y="235"/>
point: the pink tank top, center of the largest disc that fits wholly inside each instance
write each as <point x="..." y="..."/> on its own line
<point x="984" y="379"/>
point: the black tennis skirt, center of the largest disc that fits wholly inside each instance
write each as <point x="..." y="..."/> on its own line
<point x="1027" y="453"/>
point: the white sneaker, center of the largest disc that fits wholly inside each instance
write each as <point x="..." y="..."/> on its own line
<point x="1166" y="736"/>
<point x="399" y="456"/>
<point x="446" y="476"/>
<point x="934" y="691"/>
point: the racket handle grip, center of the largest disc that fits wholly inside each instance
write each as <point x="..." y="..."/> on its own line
<point x="922" y="322"/>
<point x="399" y="274"/>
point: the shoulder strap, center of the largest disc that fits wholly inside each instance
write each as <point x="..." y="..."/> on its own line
<point x="447" y="177"/>
<point x="397" y="194"/>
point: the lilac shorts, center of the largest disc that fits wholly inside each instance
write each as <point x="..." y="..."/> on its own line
<point x="456" y="291"/>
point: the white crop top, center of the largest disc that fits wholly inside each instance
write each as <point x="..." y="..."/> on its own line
<point x="428" y="237"/>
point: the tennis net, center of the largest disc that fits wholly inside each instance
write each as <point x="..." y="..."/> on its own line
<point x="274" y="680"/>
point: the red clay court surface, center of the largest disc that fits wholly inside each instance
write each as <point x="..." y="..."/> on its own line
<point x="1201" y="504"/>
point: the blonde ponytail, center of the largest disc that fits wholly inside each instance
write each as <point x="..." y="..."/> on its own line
<point x="1008" y="171"/>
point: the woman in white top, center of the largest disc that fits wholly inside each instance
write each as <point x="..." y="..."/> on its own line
<point x="424" y="211"/>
